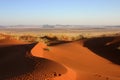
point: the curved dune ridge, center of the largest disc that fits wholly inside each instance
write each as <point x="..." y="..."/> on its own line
<point x="38" y="51"/>
<point x="17" y="63"/>
<point x="85" y="61"/>
<point x="91" y="59"/>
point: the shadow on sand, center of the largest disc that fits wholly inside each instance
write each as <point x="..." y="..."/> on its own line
<point x="16" y="62"/>
<point x="98" y="46"/>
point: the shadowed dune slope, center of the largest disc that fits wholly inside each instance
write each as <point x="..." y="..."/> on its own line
<point x="105" y="47"/>
<point x="16" y="63"/>
<point x="83" y="61"/>
<point x="114" y="41"/>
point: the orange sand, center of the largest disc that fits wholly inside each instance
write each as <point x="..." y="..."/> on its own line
<point x="83" y="61"/>
<point x="8" y="42"/>
<point x="78" y="60"/>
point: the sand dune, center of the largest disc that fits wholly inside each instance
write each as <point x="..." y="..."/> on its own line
<point x="38" y="51"/>
<point x="89" y="59"/>
<point x="17" y="63"/>
<point x="8" y="42"/>
<point x="110" y="52"/>
<point x="87" y="64"/>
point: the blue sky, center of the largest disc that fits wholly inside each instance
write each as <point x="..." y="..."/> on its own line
<point x="76" y="12"/>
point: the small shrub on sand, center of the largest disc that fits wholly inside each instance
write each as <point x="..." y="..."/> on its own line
<point x="47" y="49"/>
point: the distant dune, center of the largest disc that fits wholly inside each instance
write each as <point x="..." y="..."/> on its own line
<point x="8" y="42"/>
<point x="90" y="59"/>
<point x="17" y="63"/>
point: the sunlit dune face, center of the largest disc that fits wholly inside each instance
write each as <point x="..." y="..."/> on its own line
<point x="38" y="49"/>
<point x="10" y="42"/>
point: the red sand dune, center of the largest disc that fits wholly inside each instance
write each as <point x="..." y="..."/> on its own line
<point x="8" y="42"/>
<point x="87" y="64"/>
<point x="17" y="63"/>
<point x="99" y="47"/>
<point x="79" y="60"/>
<point x="38" y="51"/>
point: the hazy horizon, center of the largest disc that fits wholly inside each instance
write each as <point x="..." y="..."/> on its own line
<point x="63" y="12"/>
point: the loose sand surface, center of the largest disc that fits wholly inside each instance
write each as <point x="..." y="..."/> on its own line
<point x="92" y="59"/>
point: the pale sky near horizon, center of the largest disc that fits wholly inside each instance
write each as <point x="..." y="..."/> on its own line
<point x="72" y="12"/>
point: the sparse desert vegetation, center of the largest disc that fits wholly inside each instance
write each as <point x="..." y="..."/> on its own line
<point x="60" y="35"/>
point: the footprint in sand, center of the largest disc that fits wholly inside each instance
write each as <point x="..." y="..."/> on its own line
<point x="98" y="75"/>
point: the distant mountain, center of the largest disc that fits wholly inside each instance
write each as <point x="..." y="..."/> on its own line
<point x="1" y="27"/>
<point x="25" y="26"/>
<point x="118" y="26"/>
<point x="62" y="26"/>
<point x="48" y="26"/>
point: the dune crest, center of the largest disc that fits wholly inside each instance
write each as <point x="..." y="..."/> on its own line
<point x="17" y="63"/>
<point x="38" y="51"/>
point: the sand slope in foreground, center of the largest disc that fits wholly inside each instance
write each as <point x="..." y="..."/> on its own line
<point x="38" y="51"/>
<point x="87" y="64"/>
<point x="17" y="63"/>
<point x="91" y="60"/>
